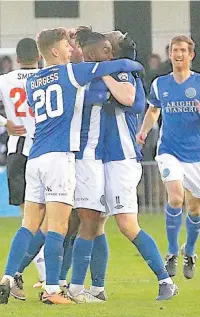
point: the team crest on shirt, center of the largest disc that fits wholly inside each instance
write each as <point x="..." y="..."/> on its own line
<point x="165" y="172"/>
<point x="102" y="200"/>
<point x="190" y="92"/>
<point x="123" y="76"/>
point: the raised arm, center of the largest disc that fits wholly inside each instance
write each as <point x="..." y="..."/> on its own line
<point x="85" y="72"/>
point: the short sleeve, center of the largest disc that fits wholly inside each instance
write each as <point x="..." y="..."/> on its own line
<point x="153" y="99"/>
<point x="125" y="77"/>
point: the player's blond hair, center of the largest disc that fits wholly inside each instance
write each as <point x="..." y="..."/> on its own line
<point x="183" y="38"/>
<point x="115" y="38"/>
<point x="48" y="37"/>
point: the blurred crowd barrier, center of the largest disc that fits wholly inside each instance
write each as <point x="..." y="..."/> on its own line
<point x="151" y="191"/>
<point x="5" y="209"/>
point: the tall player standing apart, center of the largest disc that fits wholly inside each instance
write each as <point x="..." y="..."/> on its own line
<point x="56" y="95"/>
<point x="13" y="95"/>
<point x="178" y="151"/>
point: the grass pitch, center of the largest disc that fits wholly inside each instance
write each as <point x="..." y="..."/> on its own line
<point x="131" y="286"/>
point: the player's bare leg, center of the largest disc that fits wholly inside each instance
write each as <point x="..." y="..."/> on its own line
<point x="33" y="217"/>
<point x="192" y="226"/>
<point x="173" y="212"/>
<point x="128" y="225"/>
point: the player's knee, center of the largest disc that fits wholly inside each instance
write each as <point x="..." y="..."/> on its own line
<point x="175" y="201"/>
<point x="59" y="227"/>
<point x="74" y="223"/>
<point x="128" y="225"/>
<point x="44" y="226"/>
<point x="130" y="233"/>
<point x="193" y="207"/>
<point x="88" y="230"/>
<point x="32" y="227"/>
<point x="101" y="226"/>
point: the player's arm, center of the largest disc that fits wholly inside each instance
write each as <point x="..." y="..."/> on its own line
<point x="123" y="92"/>
<point x="96" y="93"/>
<point x="12" y="128"/>
<point x="152" y="114"/>
<point x="139" y="103"/>
<point x="95" y="97"/>
<point x="85" y="72"/>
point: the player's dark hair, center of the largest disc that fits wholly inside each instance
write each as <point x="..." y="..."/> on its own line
<point x="27" y="50"/>
<point x="85" y="36"/>
<point x="48" y="37"/>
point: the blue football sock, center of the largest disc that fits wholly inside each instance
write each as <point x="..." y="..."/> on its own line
<point x="18" y="250"/>
<point x="53" y="254"/>
<point x="173" y="225"/>
<point x="192" y="227"/>
<point x="149" y="251"/>
<point x="34" y="248"/>
<point x="81" y="257"/>
<point x="67" y="257"/>
<point x="99" y="260"/>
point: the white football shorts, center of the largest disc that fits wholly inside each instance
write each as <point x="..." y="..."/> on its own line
<point x="121" y="181"/>
<point x="171" y="169"/>
<point x="51" y="177"/>
<point x="89" y="191"/>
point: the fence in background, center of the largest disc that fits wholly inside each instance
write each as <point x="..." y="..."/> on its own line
<point x="5" y="209"/>
<point x="151" y="191"/>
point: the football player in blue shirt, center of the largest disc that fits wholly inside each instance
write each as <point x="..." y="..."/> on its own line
<point x="178" y="149"/>
<point x="95" y="46"/>
<point x="122" y="173"/>
<point x="56" y="95"/>
<point x="89" y="194"/>
<point x="120" y="153"/>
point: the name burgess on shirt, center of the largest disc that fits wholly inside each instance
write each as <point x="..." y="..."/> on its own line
<point x="44" y="80"/>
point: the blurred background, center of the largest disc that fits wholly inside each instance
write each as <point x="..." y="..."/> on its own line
<point x="150" y="23"/>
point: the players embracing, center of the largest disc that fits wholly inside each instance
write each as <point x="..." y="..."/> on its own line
<point x="110" y="135"/>
<point x="56" y="95"/>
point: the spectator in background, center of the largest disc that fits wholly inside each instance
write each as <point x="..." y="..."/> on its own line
<point x="6" y="65"/>
<point x="154" y="62"/>
<point x="165" y="67"/>
<point x="153" y="72"/>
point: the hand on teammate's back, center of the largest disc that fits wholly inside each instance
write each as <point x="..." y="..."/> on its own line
<point x="14" y="129"/>
<point x="141" y="137"/>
